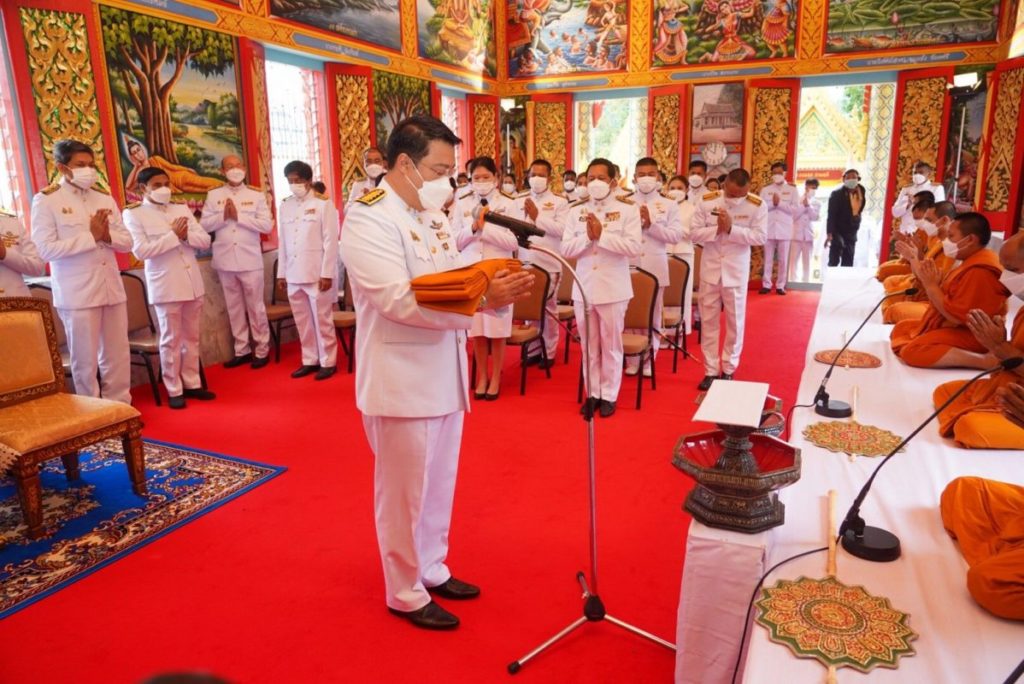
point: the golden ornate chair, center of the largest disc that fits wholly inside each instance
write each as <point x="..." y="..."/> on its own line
<point x="39" y="421"/>
<point x="45" y="293"/>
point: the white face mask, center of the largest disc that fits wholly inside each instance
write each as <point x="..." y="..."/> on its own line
<point x="811" y="192"/>
<point x="677" y="194"/>
<point x="734" y="202"/>
<point x="509" y="188"/>
<point x="647" y="184"/>
<point x="483" y="188"/>
<point x="569" y="185"/>
<point x="538" y="184"/>
<point x="1014" y="282"/>
<point x="160" y="195"/>
<point x="235" y="175"/>
<point x="696" y="180"/>
<point x="950" y="248"/>
<point x="584" y="192"/>
<point x="300" y="190"/>
<point x="84" y="177"/>
<point x="851" y="183"/>
<point x="928" y="227"/>
<point x="374" y="171"/>
<point x="433" y="194"/>
<point x="778" y="179"/>
<point x="599" y="189"/>
<point x="919" y="178"/>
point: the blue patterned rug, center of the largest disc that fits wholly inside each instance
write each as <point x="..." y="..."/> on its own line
<point x="97" y="519"/>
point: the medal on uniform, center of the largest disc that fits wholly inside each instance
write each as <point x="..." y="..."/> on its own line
<point x="436" y="225"/>
<point x="415" y="237"/>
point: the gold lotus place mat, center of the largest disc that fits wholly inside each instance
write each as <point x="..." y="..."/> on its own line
<point x="849" y="358"/>
<point x="850" y="437"/>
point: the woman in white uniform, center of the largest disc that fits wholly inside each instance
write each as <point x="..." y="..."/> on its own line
<point x="477" y="241"/>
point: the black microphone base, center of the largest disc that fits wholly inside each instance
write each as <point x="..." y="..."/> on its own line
<point x="876" y="545"/>
<point x="833" y="409"/>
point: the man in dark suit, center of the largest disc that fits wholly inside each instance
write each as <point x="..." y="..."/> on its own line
<point x="845" y="207"/>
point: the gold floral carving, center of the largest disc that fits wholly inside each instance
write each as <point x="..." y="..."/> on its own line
<point x="639" y="47"/>
<point x="63" y="84"/>
<point x="771" y="132"/>
<point x="485" y="127"/>
<point x="259" y="8"/>
<point x="407" y="15"/>
<point x="550" y="134"/>
<point x="665" y="134"/>
<point x="641" y="128"/>
<point x="920" y="123"/>
<point x="262" y="115"/>
<point x="354" y="117"/>
<point x="811" y="27"/>
<point x="1004" y="133"/>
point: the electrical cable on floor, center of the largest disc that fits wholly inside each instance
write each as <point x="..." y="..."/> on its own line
<point x="1016" y="674"/>
<point x="789" y="418"/>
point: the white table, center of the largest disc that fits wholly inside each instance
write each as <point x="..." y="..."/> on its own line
<point x="959" y="642"/>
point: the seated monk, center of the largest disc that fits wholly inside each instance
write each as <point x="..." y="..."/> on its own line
<point x="909" y="231"/>
<point x="936" y="225"/>
<point x="976" y="418"/>
<point x="937" y="338"/>
<point x="987" y="519"/>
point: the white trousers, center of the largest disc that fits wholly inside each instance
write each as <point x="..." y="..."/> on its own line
<point x="713" y="299"/>
<point x="801" y="256"/>
<point x="179" y="344"/>
<point x="416" y="460"/>
<point x="312" y="311"/>
<point x="659" y="320"/>
<point x="605" y="339"/>
<point x="243" y="294"/>
<point x="551" y="327"/>
<point x="98" y="340"/>
<point x="775" y="249"/>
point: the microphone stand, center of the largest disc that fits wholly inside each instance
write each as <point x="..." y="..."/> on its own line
<point x="593" y="606"/>
<point x="874" y="543"/>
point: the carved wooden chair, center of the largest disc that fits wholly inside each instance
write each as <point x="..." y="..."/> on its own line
<point x="39" y="420"/>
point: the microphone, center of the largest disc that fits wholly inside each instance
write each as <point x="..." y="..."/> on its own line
<point x="840" y="409"/>
<point x="874" y="543"/>
<point x="521" y="229"/>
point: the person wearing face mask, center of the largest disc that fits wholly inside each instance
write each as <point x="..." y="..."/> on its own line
<point x="803" y="230"/>
<point x="660" y="228"/>
<point x="920" y="181"/>
<point x="546" y="210"/>
<point x="374" y="167"/>
<point x="899" y="307"/>
<point x="478" y="240"/>
<point x="917" y="233"/>
<point x="462" y="181"/>
<point x="18" y="257"/>
<point x="684" y="192"/>
<point x="602" y="233"/>
<point x="77" y="228"/>
<point x="940" y="337"/>
<point x="509" y="185"/>
<point x="166" y="236"/>
<point x="238" y="216"/>
<point x="308" y="263"/>
<point x="975" y="419"/>
<point x="412" y="384"/>
<point x="727" y="223"/>
<point x="845" y="208"/>
<point x="581" y="187"/>
<point x="783" y="202"/>
<point x="569" y="185"/>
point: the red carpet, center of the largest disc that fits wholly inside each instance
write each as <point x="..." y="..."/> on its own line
<point x="284" y="584"/>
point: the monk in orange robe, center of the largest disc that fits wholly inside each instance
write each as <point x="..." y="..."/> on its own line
<point x="987" y="519"/>
<point x="914" y="232"/>
<point x="935" y="224"/>
<point x="935" y="340"/>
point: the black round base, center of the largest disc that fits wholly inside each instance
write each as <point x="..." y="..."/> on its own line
<point x="834" y="409"/>
<point x="514" y="667"/>
<point x="876" y="545"/>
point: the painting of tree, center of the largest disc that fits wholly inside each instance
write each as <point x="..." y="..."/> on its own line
<point x="397" y="97"/>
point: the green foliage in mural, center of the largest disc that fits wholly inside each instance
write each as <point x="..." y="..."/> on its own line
<point x="397" y="97"/>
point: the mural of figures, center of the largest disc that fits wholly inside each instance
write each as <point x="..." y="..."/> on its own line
<point x="396" y="97"/>
<point x="716" y="129"/>
<point x="960" y="176"/>
<point x="373" y="21"/>
<point x="175" y="100"/>
<point x="722" y="31"/>
<point x="458" y="32"/>
<point x="513" y="141"/>
<point x="855" y="25"/>
<point x="547" y="37"/>
<point x="1017" y="41"/>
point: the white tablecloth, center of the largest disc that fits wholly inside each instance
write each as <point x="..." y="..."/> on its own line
<point x="959" y="642"/>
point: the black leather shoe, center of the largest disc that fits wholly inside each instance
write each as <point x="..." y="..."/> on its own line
<point x="326" y="372"/>
<point x="260" y="363"/>
<point x="455" y="589"/>
<point x="238" y="361"/>
<point x="430" y="616"/>
<point x="705" y="384"/>
<point x="606" y="408"/>
<point x="200" y="394"/>
<point x="589" y="404"/>
<point x="492" y="397"/>
<point x="177" y="402"/>
<point x="303" y="371"/>
<point x="480" y="395"/>
<point x="726" y="376"/>
<point x="763" y="290"/>
<point x="780" y="291"/>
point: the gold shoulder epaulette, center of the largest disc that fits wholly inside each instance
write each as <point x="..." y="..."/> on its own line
<point x="506" y="195"/>
<point x="101" y="190"/>
<point x="714" y="194"/>
<point x="625" y="199"/>
<point x="133" y="205"/>
<point x="320" y="195"/>
<point x="372" y="197"/>
<point x="468" y="194"/>
<point x="754" y="199"/>
<point x="50" y="189"/>
<point x="178" y="201"/>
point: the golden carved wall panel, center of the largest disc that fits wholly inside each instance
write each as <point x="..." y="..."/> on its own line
<point x="770" y="143"/>
<point x="485" y="127"/>
<point x="584" y="111"/>
<point x="550" y="134"/>
<point x="920" y="124"/>
<point x="354" y="117"/>
<point x="261" y="113"/>
<point x="63" y="85"/>
<point x="1004" y="133"/>
<point x="665" y="133"/>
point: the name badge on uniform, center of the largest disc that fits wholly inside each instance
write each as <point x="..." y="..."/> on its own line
<point x="443" y="235"/>
<point x="310" y="211"/>
<point x="741" y="217"/>
<point x="248" y="204"/>
<point x="657" y="205"/>
<point x="612" y="216"/>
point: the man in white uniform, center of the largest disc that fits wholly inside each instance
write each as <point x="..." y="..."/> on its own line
<point x="919" y="181"/>
<point x="546" y="210"/>
<point x="166" y="236"/>
<point x="803" y="229"/>
<point x="569" y="185"/>
<point x="78" y="229"/>
<point x="18" y="257"/>
<point x="374" y="167"/>
<point x="661" y="227"/>
<point x="412" y="382"/>
<point x="602" y="233"/>
<point x="694" y="189"/>
<point x="727" y="223"/>
<point x="783" y="202"/>
<point x="308" y="263"/>
<point x="237" y="215"/>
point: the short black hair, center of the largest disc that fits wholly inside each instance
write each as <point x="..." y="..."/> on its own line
<point x="678" y="178"/>
<point x="847" y="172"/>
<point x="973" y="223"/>
<point x="319" y="187"/>
<point x="780" y="165"/>
<point x="921" y="163"/>
<point x="601" y="161"/>
<point x="413" y="136"/>
<point x="149" y="173"/>
<point x="63" y="150"/>
<point x="568" y="172"/>
<point x="485" y="162"/>
<point x="813" y="182"/>
<point x="924" y="196"/>
<point x="299" y="168"/>
<point x="944" y="209"/>
<point x="740" y="177"/>
<point x="647" y="161"/>
<point x="923" y="204"/>
<point x="698" y="164"/>
<point x="541" y="162"/>
<point x="463" y="175"/>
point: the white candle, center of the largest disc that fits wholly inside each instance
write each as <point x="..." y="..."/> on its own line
<point x="853" y="404"/>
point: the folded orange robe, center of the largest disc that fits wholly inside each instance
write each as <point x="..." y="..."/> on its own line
<point x="975" y="420"/>
<point x="972" y="285"/>
<point x="987" y="518"/>
<point x="896" y="283"/>
<point x="459" y="290"/>
<point x="901" y="266"/>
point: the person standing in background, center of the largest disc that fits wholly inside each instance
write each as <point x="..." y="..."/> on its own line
<point x="783" y="202"/>
<point x="18" y="257"/>
<point x="920" y="181"/>
<point x="375" y="167"/>
<point x="845" y="208"/>
<point x="803" y="231"/>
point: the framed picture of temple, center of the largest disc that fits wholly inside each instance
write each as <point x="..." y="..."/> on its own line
<point x="716" y="126"/>
<point x="458" y="32"/>
<point x="550" y="37"/>
<point x="377" y="22"/>
<point x="866" y="25"/>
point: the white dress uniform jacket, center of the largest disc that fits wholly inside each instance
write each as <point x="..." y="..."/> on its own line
<point x="490" y="242"/>
<point x="308" y="239"/>
<point x="238" y="246"/>
<point x="803" y="224"/>
<point x="684" y="247"/>
<point x="666" y="230"/>
<point x="21" y="258"/>
<point x="780" y="218"/>
<point x="552" y="210"/>
<point x="603" y="264"/>
<point x="905" y="202"/>
<point x="172" y="273"/>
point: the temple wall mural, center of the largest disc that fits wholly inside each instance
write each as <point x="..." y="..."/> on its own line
<point x="372" y="21"/>
<point x="459" y="32"/>
<point x="548" y="37"/>
<point x="859" y="25"/>
<point x="396" y="97"/>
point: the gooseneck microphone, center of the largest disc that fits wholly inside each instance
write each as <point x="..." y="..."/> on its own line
<point x="521" y="229"/>
<point x="874" y="543"/>
<point x="823" y="406"/>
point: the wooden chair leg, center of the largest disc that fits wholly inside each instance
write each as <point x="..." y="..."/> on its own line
<point x="71" y="466"/>
<point x="579" y="388"/>
<point x="352" y="351"/>
<point x="275" y="335"/>
<point x="654" y="372"/>
<point x="134" y="457"/>
<point x="544" y="357"/>
<point x="30" y="496"/>
<point x="568" y="339"/>
<point x="640" y="381"/>
<point x="522" y="366"/>
<point x="153" y="384"/>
